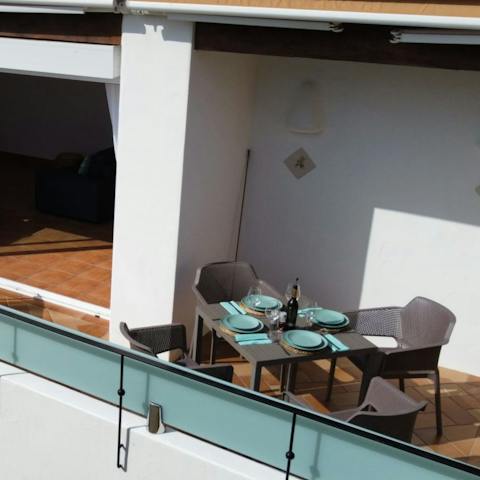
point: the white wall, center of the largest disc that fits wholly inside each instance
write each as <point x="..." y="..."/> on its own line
<point x="45" y="116"/>
<point x="49" y="432"/>
<point x="152" y="121"/>
<point x="217" y="139"/>
<point x="390" y="212"/>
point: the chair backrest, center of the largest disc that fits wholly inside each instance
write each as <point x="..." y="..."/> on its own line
<point x="388" y="411"/>
<point x="156" y="339"/>
<point x="224" y="281"/>
<point x="426" y="323"/>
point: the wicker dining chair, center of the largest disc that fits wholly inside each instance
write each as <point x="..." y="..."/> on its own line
<point x="223" y="282"/>
<point x="385" y="410"/>
<point x="164" y="338"/>
<point x="420" y="328"/>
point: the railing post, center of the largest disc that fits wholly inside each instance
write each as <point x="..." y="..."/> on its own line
<point x="290" y="455"/>
<point x="121" y="394"/>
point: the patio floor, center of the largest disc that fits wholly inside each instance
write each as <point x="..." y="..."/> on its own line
<point x="460" y="391"/>
<point x="460" y="400"/>
<point x="82" y="322"/>
<point x="63" y="256"/>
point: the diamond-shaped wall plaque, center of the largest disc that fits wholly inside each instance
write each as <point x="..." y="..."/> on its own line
<point x="300" y="163"/>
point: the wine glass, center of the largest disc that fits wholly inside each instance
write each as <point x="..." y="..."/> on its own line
<point x="273" y="315"/>
<point x="254" y="296"/>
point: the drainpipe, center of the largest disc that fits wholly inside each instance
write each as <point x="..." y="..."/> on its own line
<point x="141" y="7"/>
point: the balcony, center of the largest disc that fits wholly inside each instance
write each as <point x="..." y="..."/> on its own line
<point x="247" y="423"/>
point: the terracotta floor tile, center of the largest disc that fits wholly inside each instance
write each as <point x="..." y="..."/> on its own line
<point x="72" y="266"/>
<point x="447" y="450"/>
<point x="48" y="278"/>
<point x="429" y="435"/>
<point x="426" y="420"/>
<point x="21" y="268"/>
<point x="81" y="285"/>
<point x="465" y="446"/>
<point x="475" y="412"/>
<point x="417" y="441"/>
<point x="467" y="401"/>
<point x="107" y="264"/>
<point x="461" y="432"/>
<point x="459" y="415"/>
<point x="97" y="274"/>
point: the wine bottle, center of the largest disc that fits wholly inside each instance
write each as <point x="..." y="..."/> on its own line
<point x="292" y="307"/>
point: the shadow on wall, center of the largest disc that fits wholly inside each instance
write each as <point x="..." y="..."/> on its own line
<point x="217" y="140"/>
<point x="391" y="210"/>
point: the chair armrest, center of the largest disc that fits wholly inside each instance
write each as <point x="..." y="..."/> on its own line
<point x="383" y="321"/>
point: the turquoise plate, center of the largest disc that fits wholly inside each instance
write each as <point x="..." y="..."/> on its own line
<point x="304" y="339"/>
<point x="265" y="302"/>
<point x="242" y="323"/>
<point x="329" y="318"/>
<point x="334" y="327"/>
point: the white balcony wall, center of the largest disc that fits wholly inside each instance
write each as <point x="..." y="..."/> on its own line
<point x="218" y="133"/>
<point x="49" y="432"/>
<point x="390" y="212"/>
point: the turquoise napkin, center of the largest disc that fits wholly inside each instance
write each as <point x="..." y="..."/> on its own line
<point x="255" y="342"/>
<point x="335" y="342"/>
<point x="229" y="308"/>
<point x="238" y="307"/>
<point x="242" y="337"/>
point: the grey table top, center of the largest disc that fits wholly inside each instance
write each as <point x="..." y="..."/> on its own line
<point x="276" y="354"/>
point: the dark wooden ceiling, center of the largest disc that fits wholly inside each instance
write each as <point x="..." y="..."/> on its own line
<point x="357" y="43"/>
<point x="99" y="28"/>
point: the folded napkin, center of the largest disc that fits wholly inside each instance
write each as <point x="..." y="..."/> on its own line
<point x="229" y="308"/>
<point x="238" y="307"/>
<point x="242" y="337"/>
<point x="255" y="342"/>
<point x="336" y="343"/>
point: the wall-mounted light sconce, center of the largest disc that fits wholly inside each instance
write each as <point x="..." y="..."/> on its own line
<point x="304" y="115"/>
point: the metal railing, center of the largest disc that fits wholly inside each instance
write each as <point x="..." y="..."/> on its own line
<point x="297" y="441"/>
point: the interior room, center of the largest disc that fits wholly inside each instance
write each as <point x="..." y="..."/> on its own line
<point x="58" y="184"/>
<point x="337" y="172"/>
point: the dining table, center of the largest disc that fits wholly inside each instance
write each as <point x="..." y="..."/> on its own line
<point x="276" y="354"/>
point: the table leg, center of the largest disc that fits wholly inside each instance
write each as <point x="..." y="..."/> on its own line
<point x="331" y="378"/>
<point x="213" y="347"/>
<point x="197" y="354"/>
<point x="256" y="377"/>
<point x="291" y="377"/>
<point x="372" y="368"/>
<point x="282" y="378"/>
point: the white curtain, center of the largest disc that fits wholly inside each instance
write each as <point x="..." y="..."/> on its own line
<point x="113" y="98"/>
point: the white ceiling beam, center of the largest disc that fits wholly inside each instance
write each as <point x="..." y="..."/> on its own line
<point x="75" y="4"/>
<point x="80" y="61"/>
<point x="51" y="10"/>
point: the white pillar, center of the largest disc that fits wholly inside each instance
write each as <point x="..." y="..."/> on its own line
<point x="155" y="73"/>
